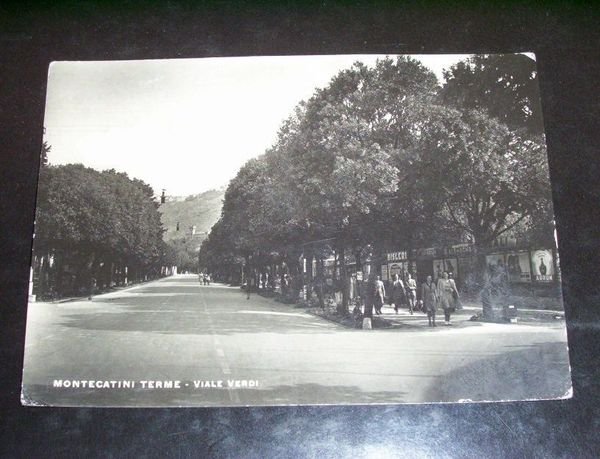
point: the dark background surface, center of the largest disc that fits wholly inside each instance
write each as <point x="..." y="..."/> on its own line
<point x="565" y="37"/>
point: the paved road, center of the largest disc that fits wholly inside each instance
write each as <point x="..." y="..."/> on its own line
<point x="177" y="330"/>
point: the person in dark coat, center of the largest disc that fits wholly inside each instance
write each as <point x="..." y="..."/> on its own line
<point x="369" y="289"/>
<point x="398" y="294"/>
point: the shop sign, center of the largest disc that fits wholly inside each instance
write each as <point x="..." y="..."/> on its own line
<point x="460" y="249"/>
<point x="397" y="256"/>
<point x="429" y="252"/>
<point x="543" y="268"/>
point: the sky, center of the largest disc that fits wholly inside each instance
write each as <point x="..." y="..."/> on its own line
<point x="183" y="125"/>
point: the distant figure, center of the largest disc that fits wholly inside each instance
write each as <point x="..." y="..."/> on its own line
<point x="92" y="288"/>
<point x="438" y="272"/>
<point x="411" y="292"/>
<point x="398" y="293"/>
<point x="455" y="297"/>
<point x="285" y="285"/>
<point x="446" y="289"/>
<point x="430" y="298"/>
<point x="370" y="288"/>
<point x="379" y="295"/>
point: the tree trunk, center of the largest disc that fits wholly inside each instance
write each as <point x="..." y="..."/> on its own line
<point x="320" y="281"/>
<point x="343" y="308"/>
<point x="309" y="276"/>
<point x="482" y="285"/>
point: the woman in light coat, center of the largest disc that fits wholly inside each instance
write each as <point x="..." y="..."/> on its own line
<point x="446" y="289"/>
<point x="430" y="298"/>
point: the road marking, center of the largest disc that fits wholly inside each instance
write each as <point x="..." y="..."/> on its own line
<point x="273" y="313"/>
<point x="221" y="358"/>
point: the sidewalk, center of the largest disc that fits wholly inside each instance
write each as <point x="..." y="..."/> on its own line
<point x="463" y="317"/>
<point x="102" y="294"/>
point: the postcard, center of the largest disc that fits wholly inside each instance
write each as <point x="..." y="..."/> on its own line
<point x="294" y="230"/>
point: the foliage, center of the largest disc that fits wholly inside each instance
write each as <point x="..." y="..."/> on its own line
<point x="483" y="178"/>
<point x="91" y="219"/>
<point x="383" y="156"/>
<point x="503" y="85"/>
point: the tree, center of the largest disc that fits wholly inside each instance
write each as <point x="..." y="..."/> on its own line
<point x="505" y="86"/>
<point x="90" y="221"/>
<point x="485" y="178"/>
<point x="334" y="170"/>
<point x="341" y="150"/>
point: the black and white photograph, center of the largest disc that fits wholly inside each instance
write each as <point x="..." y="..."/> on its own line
<point x="294" y="230"/>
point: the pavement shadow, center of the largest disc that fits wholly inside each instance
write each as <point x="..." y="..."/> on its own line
<point x="194" y="321"/>
<point x="528" y="372"/>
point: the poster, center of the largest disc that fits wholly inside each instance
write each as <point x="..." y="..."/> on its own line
<point x="543" y="267"/>
<point x="399" y="268"/>
<point x="496" y="261"/>
<point x="518" y="267"/>
<point x="448" y="265"/>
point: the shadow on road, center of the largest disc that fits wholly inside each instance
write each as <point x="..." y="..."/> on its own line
<point x="194" y="320"/>
<point x="530" y="372"/>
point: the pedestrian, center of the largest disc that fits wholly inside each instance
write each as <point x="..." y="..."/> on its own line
<point x="411" y="292"/>
<point x="379" y="295"/>
<point x="285" y="283"/>
<point x="430" y="298"/>
<point x="398" y="293"/>
<point x="92" y="288"/>
<point x="368" y="294"/>
<point x="455" y="295"/>
<point x="446" y="289"/>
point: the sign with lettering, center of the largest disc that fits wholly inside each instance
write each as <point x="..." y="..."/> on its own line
<point x="429" y="252"/>
<point x="397" y="256"/>
<point x="460" y="249"/>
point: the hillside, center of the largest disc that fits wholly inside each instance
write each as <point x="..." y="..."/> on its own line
<point x="200" y="210"/>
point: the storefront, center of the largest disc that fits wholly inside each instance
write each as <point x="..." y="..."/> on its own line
<point x="397" y="264"/>
<point x="520" y="265"/>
